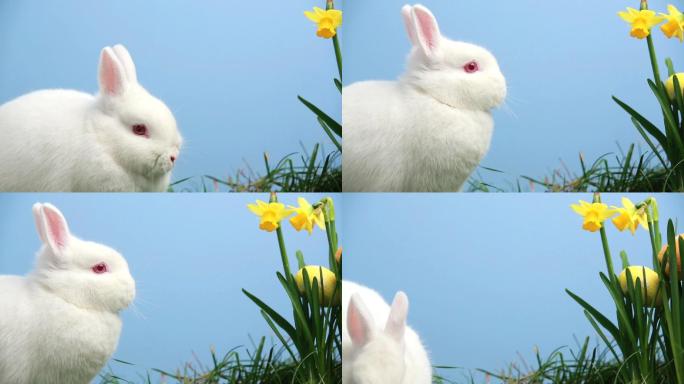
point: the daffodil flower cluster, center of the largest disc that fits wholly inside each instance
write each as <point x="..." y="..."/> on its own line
<point x="327" y="21"/>
<point x="629" y="216"/>
<point x="642" y="21"/>
<point x="305" y="216"/>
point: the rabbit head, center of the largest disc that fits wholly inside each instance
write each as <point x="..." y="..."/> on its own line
<point x="85" y="274"/>
<point x="458" y="74"/>
<point x="378" y="355"/>
<point x="137" y="129"/>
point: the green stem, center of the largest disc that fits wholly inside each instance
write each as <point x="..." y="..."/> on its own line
<point x="338" y="55"/>
<point x="281" y="244"/>
<point x="604" y="242"/>
<point x="651" y="49"/>
<point x="606" y="253"/>
<point x="654" y="61"/>
<point x="329" y="216"/>
<point x="330" y="4"/>
<point x="283" y="255"/>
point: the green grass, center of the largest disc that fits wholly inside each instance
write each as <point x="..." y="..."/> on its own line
<point x="296" y="172"/>
<point x="580" y="365"/>
<point x="238" y="366"/>
<point x="613" y="172"/>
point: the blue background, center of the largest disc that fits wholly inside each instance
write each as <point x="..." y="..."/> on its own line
<point x="562" y="62"/>
<point x="229" y="70"/>
<point x="486" y="275"/>
<point x="190" y="255"/>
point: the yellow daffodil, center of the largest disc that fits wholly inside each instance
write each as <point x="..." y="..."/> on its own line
<point x="629" y="216"/>
<point x="325" y="288"/>
<point x="270" y="214"/>
<point x="674" y="23"/>
<point x="327" y="20"/>
<point x="648" y="280"/>
<point x="641" y="21"/>
<point x="670" y="86"/>
<point x="594" y="214"/>
<point x="306" y="216"/>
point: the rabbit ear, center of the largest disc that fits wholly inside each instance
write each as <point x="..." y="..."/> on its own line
<point x="359" y="321"/>
<point x="127" y="61"/>
<point x="409" y="23"/>
<point x="427" y="30"/>
<point x="54" y="229"/>
<point x="38" y="218"/>
<point x="396" y="322"/>
<point x="112" y="75"/>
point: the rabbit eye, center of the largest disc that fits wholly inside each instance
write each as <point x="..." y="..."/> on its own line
<point x="471" y="67"/>
<point x="140" y="130"/>
<point x="100" y="268"/>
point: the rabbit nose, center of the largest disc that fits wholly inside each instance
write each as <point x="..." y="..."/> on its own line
<point x="173" y="158"/>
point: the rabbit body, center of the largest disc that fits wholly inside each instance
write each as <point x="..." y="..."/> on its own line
<point x="48" y="340"/>
<point x="388" y="354"/>
<point x="120" y="140"/>
<point x="425" y="145"/>
<point x="60" y="323"/>
<point x="427" y="131"/>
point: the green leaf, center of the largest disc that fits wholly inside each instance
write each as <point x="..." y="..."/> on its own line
<point x="655" y="150"/>
<point x="302" y="330"/>
<point x="671" y="130"/>
<point x="670" y="67"/>
<point x="279" y="335"/>
<point x="330" y="134"/>
<point x="679" y="99"/>
<point x="648" y="126"/>
<point x="334" y="125"/>
<point x="603" y="320"/>
<point x="282" y="323"/>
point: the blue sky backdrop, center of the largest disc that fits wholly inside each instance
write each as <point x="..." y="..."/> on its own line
<point x="190" y="255"/>
<point x="485" y="275"/>
<point x="229" y="70"/>
<point x="562" y="62"/>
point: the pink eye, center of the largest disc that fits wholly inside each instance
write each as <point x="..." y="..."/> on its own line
<point x="471" y="67"/>
<point x="99" y="268"/>
<point x="140" y="130"/>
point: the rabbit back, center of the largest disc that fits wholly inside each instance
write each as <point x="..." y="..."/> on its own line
<point x="44" y="339"/>
<point x="399" y="139"/>
<point x="373" y="158"/>
<point x="40" y="130"/>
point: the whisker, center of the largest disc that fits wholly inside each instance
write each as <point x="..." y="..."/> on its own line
<point x="508" y="110"/>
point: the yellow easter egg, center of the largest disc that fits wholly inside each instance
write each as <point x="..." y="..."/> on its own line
<point x="649" y="283"/>
<point x="669" y="84"/>
<point x="329" y="282"/>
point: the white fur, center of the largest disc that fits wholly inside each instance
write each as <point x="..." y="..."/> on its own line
<point x="63" y="140"/>
<point x="429" y="130"/>
<point x="377" y="345"/>
<point x="60" y="324"/>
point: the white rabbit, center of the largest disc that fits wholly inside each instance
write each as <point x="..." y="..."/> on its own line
<point x="120" y="140"/>
<point x="429" y="130"/>
<point x="377" y="345"/>
<point x="60" y="323"/>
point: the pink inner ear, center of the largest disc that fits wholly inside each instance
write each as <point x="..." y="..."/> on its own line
<point x="358" y="329"/>
<point x="110" y="74"/>
<point x="56" y="228"/>
<point x="428" y="28"/>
